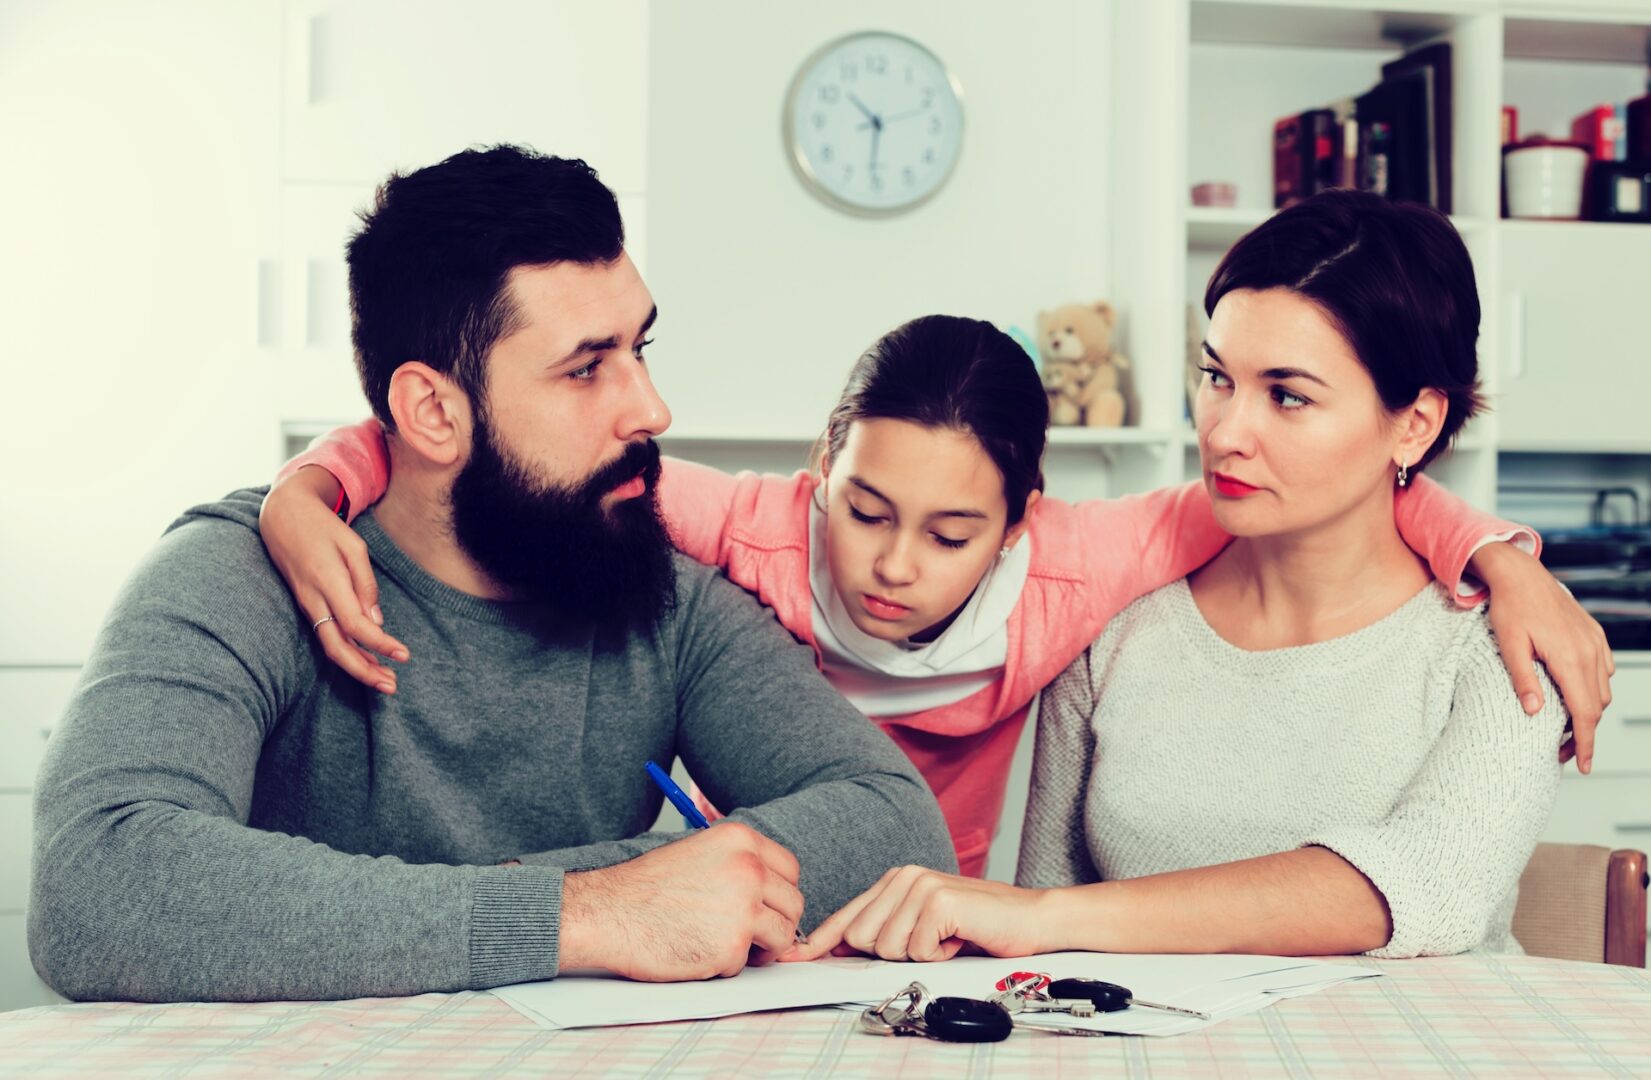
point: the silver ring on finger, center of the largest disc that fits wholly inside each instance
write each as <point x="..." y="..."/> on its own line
<point x="319" y="623"/>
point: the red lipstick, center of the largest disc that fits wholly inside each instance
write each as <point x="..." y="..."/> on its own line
<point x="1232" y="487"/>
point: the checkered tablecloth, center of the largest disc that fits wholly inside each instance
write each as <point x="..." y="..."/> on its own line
<point x="1455" y="1016"/>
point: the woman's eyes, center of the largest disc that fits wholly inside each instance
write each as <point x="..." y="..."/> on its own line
<point x="1283" y="398"/>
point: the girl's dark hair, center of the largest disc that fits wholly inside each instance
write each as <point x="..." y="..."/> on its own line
<point x="941" y="371"/>
<point x="1395" y="279"/>
<point x="428" y="269"/>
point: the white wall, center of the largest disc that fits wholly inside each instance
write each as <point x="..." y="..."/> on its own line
<point x="767" y="295"/>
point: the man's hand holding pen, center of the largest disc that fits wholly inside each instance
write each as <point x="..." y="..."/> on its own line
<point x="693" y="909"/>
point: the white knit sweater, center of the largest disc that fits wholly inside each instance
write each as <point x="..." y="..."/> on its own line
<point x="1401" y="747"/>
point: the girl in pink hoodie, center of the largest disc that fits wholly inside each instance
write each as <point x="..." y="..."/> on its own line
<point x="939" y="590"/>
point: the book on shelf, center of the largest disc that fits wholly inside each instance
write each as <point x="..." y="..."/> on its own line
<point x="1305" y="155"/>
<point x="1399" y="157"/>
<point x="1638" y="133"/>
<point x="1394" y="139"/>
<point x="1602" y="133"/>
<point x="1434" y="58"/>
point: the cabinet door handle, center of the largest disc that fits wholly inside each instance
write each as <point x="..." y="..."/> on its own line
<point x="1516" y="335"/>
<point x="1637" y="721"/>
<point x="315" y="60"/>
<point x="1635" y="827"/>
<point x="315" y="280"/>
<point x="269" y="303"/>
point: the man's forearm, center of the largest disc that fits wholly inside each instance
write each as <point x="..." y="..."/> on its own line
<point x="153" y="903"/>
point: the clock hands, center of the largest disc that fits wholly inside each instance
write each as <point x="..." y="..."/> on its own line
<point x="872" y="118"/>
<point x="900" y="115"/>
<point x="875" y="122"/>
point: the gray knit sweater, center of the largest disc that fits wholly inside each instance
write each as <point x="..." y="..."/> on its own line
<point x="1401" y="747"/>
<point x="223" y="814"/>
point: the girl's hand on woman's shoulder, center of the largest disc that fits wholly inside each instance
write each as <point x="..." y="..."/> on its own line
<point x="1536" y="618"/>
<point x="914" y="913"/>
<point x="327" y="567"/>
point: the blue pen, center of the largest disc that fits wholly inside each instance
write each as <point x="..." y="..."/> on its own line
<point x="690" y="812"/>
<point x="679" y="798"/>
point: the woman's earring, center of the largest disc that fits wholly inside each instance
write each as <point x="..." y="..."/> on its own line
<point x="1404" y="474"/>
<point x="1003" y="553"/>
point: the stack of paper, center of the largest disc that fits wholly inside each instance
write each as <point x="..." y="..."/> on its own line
<point x="1223" y="986"/>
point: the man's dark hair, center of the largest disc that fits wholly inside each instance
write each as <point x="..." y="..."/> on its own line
<point x="428" y="269"/>
<point x="1394" y="278"/>
<point x="943" y="371"/>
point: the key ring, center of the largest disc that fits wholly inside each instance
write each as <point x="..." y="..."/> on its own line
<point x="948" y="1019"/>
<point x="907" y="1019"/>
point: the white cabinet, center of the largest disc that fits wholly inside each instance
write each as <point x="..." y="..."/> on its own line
<point x="318" y="376"/>
<point x="31" y="703"/>
<point x="20" y="987"/>
<point x="137" y="204"/>
<point x="1613" y="806"/>
<point x="1576" y="364"/>
<point x="375" y="85"/>
<point x="16" y="817"/>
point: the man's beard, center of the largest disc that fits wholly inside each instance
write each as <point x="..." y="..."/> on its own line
<point x="559" y="546"/>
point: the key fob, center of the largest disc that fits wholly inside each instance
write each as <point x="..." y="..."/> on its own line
<point x="1108" y="997"/>
<point x="965" y="1020"/>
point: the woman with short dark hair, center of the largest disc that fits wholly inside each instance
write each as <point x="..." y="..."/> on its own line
<point x="1305" y="746"/>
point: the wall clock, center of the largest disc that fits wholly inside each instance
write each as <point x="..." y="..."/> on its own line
<point x="874" y="123"/>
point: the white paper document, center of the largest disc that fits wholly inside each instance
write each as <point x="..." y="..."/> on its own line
<point x="1223" y="986"/>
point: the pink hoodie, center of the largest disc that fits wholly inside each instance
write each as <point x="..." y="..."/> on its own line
<point x="1089" y="561"/>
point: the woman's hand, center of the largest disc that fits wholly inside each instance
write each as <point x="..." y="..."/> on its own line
<point x="914" y="913"/>
<point x="326" y="566"/>
<point x="1535" y="618"/>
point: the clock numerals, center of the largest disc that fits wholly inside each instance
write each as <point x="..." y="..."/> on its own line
<point x="874" y="123"/>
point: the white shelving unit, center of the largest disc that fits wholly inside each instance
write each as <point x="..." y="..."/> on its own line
<point x="1563" y="356"/>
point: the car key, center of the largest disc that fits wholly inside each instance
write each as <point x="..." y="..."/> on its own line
<point x="1013" y="991"/>
<point x="1110" y="997"/>
<point x="967" y="1020"/>
<point x="1073" y="1006"/>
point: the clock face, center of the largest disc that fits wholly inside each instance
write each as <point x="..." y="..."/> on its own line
<point x="874" y="123"/>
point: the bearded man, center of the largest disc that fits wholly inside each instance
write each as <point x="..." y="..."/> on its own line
<point x="225" y="815"/>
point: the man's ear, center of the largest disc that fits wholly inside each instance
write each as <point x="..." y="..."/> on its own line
<point x="431" y="412"/>
<point x="1420" y="423"/>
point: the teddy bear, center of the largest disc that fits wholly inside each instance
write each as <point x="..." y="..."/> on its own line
<point x="1084" y="376"/>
